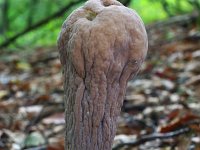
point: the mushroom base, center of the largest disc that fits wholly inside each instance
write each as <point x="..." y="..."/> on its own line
<point x="92" y="107"/>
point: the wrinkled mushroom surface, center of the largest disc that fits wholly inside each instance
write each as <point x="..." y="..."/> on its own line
<point x="102" y="45"/>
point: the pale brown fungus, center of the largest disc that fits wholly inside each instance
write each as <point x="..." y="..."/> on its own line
<point x="102" y="45"/>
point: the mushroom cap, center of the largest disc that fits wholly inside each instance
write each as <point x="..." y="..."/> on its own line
<point x="102" y="29"/>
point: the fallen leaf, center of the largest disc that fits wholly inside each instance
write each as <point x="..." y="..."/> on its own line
<point x="34" y="139"/>
<point x="57" y="118"/>
<point x="179" y="123"/>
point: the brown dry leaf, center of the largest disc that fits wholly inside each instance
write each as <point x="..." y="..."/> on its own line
<point x="40" y="100"/>
<point x="193" y="80"/>
<point x="181" y="46"/>
<point x="195" y="127"/>
<point x="30" y="111"/>
<point x="198" y="147"/>
<point x="17" y="125"/>
<point x="56" y="144"/>
<point x="124" y="129"/>
<point x="19" y="85"/>
<point x="9" y="106"/>
<point x="173" y="114"/>
<point x="167" y="73"/>
<point x="180" y="122"/>
<point x="24" y="86"/>
<point x="57" y="118"/>
<point x="184" y="142"/>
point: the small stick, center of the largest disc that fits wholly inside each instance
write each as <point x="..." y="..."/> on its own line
<point x="152" y="137"/>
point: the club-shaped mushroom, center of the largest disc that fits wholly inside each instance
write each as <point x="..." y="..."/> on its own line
<point x="102" y="45"/>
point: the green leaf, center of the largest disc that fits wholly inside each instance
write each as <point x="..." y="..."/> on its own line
<point x="34" y="139"/>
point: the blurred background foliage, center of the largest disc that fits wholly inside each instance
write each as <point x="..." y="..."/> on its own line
<point x="35" y="23"/>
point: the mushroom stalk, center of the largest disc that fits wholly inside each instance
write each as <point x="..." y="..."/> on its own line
<point x="102" y="45"/>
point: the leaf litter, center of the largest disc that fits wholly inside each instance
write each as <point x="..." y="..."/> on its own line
<point x="161" y="109"/>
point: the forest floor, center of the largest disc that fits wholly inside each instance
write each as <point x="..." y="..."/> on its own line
<point x="161" y="108"/>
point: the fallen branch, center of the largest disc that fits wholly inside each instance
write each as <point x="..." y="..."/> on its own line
<point x="152" y="137"/>
<point x="40" y="23"/>
<point x="176" y="20"/>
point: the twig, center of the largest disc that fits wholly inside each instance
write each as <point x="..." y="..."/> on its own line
<point x="152" y="137"/>
<point x="45" y="112"/>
